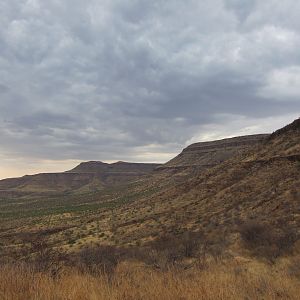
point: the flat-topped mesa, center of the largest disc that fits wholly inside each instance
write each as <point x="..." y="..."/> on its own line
<point x="89" y="167"/>
<point x="207" y="154"/>
<point x="87" y="176"/>
<point x="120" y="166"/>
<point x="228" y="142"/>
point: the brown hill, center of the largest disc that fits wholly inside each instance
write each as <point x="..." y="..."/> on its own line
<point x="87" y="176"/>
<point x="118" y="167"/>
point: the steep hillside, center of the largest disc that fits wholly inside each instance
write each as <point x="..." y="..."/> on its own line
<point x="261" y="183"/>
<point x="199" y="157"/>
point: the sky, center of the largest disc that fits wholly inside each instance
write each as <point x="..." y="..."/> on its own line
<point x="138" y="80"/>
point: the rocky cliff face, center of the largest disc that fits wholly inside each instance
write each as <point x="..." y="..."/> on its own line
<point x="208" y="154"/>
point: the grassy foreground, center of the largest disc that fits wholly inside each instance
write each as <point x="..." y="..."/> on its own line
<point x="231" y="279"/>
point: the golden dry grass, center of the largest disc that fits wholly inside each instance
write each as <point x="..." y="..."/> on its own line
<point x="230" y="280"/>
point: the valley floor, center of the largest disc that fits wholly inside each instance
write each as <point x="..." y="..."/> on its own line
<point x="229" y="279"/>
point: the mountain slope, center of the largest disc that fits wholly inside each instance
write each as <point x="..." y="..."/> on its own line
<point x="261" y="183"/>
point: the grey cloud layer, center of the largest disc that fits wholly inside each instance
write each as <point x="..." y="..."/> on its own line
<point x="114" y="79"/>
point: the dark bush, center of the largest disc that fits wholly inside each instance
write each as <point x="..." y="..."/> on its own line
<point x="254" y="234"/>
<point x="40" y="254"/>
<point x="100" y="259"/>
<point x="170" y="250"/>
<point x="266" y="241"/>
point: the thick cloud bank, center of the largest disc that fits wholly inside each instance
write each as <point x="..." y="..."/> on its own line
<point x="138" y="80"/>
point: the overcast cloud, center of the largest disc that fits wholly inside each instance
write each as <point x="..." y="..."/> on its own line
<point x="138" y="80"/>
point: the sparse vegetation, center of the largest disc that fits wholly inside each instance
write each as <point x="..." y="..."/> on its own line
<point x="230" y="231"/>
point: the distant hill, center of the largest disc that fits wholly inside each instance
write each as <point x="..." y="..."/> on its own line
<point x="118" y="167"/>
<point x="95" y="175"/>
<point x="87" y="176"/>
